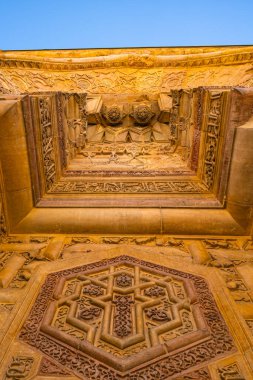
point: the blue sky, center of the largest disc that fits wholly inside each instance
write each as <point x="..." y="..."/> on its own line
<point x="66" y="24"/>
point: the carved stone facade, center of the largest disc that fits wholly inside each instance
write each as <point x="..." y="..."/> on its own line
<point x="126" y="182"/>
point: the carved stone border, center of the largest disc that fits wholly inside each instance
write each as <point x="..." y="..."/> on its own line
<point x="53" y="182"/>
<point x="45" y="133"/>
<point x="143" y="59"/>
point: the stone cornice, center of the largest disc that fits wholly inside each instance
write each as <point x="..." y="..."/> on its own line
<point x="139" y="58"/>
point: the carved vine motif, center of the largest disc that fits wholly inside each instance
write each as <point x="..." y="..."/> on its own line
<point x="47" y="141"/>
<point x="123" y="280"/>
<point x="3" y="228"/>
<point x="15" y="79"/>
<point x="135" y="173"/>
<point x="48" y="367"/>
<point x="126" y="187"/>
<point x="155" y="291"/>
<point x="93" y="290"/>
<point x="90" y="313"/>
<point x="32" y="239"/>
<point x="119" y="306"/>
<point x="19" y="368"/>
<point x="212" y="138"/>
<point x="156" y="314"/>
<point x="220" y="244"/>
<point x="250" y="324"/>
<point x="201" y="374"/>
<point x="122" y="318"/>
<point x="234" y="281"/>
<point x="230" y="372"/>
<point x="77" y="126"/>
<point x="146" y="240"/>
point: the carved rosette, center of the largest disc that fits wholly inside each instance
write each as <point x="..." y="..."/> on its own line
<point x="118" y="314"/>
<point x="114" y="114"/>
<point x="142" y="114"/>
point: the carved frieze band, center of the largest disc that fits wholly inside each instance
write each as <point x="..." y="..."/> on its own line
<point x="3" y="228"/>
<point x="76" y="131"/>
<point x="48" y="152"/>
<point x="111" y="81"/>
<point x="134" y="60"/>
<point x="130" y="187"/>
<point x="212" y="140"/>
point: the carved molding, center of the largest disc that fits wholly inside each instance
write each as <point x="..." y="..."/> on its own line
<point x="134" y="187"/>
<point x="136" y="59"/>
<point x="48" y="150"/>
<point x="125" y="80"/>
<point x="213" y="137"/>
<point x="3" y="227"/>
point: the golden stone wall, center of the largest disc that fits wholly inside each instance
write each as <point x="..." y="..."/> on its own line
<point x="126" y="200"/>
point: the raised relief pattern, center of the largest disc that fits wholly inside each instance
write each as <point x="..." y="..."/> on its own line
<point x="230" y="372"/>
<point x="19" y="368"/>
<point x="47" y="141"/>
<point x="119" y="312"/>
<point x="212" y="138"/>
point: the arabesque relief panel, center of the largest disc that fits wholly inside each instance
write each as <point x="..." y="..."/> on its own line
<point x="123" y="316"/>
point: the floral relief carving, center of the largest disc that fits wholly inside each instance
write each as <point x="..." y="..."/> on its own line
<point x="47" y="141"/>
<point x="3" y="227"/>
<point x="164" y="241"/>
<point x="113" y="114"/>
<point x="230" y="372"/>
<point x="19" y="368"/>
<point x="48" y="367"/>
<point x="84" y="316"/>
<point x="127" y="187"/>
<point x="212" y="138"/>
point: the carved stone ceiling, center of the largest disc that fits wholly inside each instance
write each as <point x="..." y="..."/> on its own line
<point x="151" y="129"/>
<point x="126" y="204"/>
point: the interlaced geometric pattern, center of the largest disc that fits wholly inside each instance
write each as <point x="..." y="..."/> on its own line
<point x="126" y="319"/>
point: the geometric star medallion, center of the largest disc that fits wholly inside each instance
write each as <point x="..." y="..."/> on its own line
<point x="125" y="318"/>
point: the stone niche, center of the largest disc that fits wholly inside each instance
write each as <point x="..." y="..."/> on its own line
<point x="149" y="134"/>
<point x="136" y="135"/>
